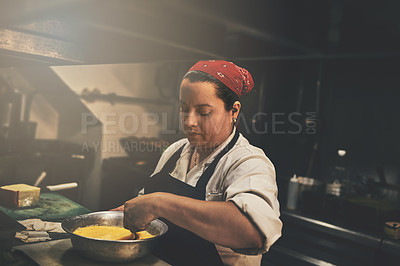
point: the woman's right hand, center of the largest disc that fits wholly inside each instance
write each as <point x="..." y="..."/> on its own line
<point x="140" y="211"/>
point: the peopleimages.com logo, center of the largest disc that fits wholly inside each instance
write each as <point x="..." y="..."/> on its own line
<point x="129" y="123"/>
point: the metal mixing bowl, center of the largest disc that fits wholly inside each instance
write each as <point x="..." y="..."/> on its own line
<point x="111" y="250"/>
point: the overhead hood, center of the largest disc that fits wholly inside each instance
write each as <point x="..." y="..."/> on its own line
<point x="61" y="32"/>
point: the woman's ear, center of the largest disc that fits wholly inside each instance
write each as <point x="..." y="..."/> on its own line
<point x="236" y="109"/>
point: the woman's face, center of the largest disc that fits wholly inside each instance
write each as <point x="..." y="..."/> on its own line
<point x="205" y="121"/>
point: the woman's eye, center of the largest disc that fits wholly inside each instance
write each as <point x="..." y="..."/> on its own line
<point x="205" y="114"/>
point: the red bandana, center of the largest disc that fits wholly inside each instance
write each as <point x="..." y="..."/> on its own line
<point x="235" y="78"/>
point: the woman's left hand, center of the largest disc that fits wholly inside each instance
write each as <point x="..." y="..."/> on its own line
<point x="140" y="211"/>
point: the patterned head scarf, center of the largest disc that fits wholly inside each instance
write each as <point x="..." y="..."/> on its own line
<point x="234" y="77"/>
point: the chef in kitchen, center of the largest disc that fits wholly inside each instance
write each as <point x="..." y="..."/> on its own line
<point x="216" y="191"/>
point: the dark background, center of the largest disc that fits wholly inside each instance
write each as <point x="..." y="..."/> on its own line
<point x="355" y="109"/>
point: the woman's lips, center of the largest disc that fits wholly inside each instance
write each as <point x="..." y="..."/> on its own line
<point x="192" y="134"/>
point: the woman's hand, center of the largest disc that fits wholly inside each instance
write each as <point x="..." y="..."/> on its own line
<point x="139" y="212"/>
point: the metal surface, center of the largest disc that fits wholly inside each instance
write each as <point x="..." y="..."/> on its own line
<point x="61" y="252"/>
<point x="300" y="256"/>
<point x="356" y="236"/>
<point x="113" y="98"/>
<point x="391" y="246"/>
<point x="111" y="250"/>
<point x="44" y="48"/>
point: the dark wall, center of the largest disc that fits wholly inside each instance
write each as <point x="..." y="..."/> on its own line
<point x="355" y="108"/>
<point x="362" y="115"/>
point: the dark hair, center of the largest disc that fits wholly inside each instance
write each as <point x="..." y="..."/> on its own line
<point x="223" y="92"/>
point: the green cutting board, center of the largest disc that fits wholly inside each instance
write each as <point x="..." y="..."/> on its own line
<point x="51" y="207"/>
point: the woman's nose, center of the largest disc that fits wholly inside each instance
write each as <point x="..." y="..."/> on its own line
<point x="190" y="119"/>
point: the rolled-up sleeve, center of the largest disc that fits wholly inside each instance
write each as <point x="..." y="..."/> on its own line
<point x="251" y="185"/>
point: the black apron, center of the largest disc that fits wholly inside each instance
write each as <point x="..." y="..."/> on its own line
<point x="180" y="246"/>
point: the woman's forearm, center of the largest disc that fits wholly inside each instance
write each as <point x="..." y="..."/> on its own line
<point x="218" y="222"/>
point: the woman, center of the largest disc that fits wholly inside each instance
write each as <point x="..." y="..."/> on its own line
<point x="216" y="192"/>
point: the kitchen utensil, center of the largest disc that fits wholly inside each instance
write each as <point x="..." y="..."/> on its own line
<point x="62" y="186"/>
<point x="111" y="250"/>
<point x="40" y="179"/>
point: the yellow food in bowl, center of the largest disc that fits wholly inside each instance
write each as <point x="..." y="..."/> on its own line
<point x="143" y="235"/>
<point x="110" y="233"/>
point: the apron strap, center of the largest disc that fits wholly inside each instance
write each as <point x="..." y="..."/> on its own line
<point x="205" y="177"/>
<point x="170" y="164"/>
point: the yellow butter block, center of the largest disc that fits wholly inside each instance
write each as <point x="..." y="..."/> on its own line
<point x="20" y="195"/>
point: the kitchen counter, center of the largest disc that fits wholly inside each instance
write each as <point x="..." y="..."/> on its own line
<point x="368" y="239"/>
<point x="60" y="252"/>
<point x="310" y="240"/>
<point x="391" y="246"/>
<point x="371" y="239"/>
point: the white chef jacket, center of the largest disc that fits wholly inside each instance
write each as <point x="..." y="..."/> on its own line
<point x="244" y="176"/>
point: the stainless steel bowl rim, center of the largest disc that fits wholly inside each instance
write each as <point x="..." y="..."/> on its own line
<point x="106" y="240"/>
